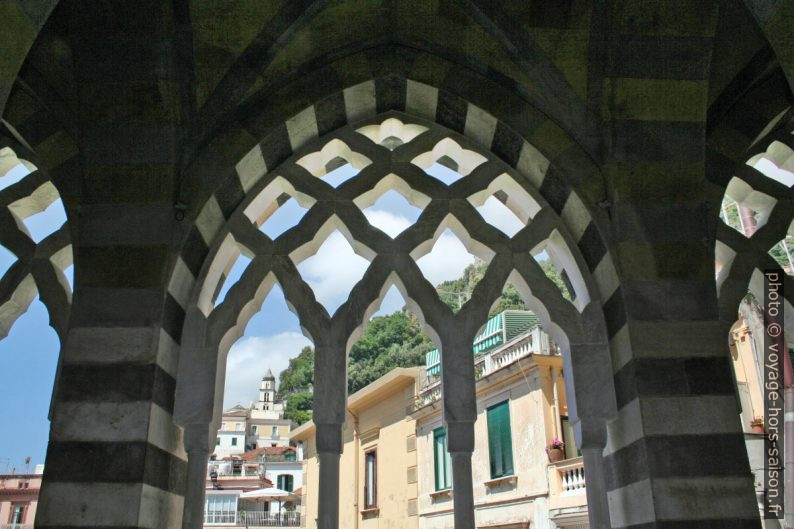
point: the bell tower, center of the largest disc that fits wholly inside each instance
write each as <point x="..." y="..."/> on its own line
<point x="267" y="392"/>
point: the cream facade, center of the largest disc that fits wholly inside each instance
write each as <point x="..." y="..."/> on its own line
<point x="230" y="439"/>
<point x="528" y="493"/>
<point x="378" y="475"/>
<point x="258" y="426"/>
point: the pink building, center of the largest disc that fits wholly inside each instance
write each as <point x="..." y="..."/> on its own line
<point x="19" y="496"/>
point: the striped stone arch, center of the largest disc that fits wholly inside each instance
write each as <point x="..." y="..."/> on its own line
<point x="219" y="184"/>
<point x="226" y="225"/>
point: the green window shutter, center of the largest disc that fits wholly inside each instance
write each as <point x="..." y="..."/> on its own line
<point x="442" y="462"/>
<point x="500" y="445"/>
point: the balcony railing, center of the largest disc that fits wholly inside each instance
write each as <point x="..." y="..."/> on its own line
<point x="484" y="365"/>
<point x="226" y="472"/>
<point x="250" y="519"/>
<point x="16" y="526"/>
<point x="567" y="484"/>
<point x="572" y="478"/>
<point x="266" y="519"/>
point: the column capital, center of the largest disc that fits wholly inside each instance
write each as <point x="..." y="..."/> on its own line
<point x="590" y="433"/>
<point x="197" y="438"/>
<point x="460" y="436"/>
<point x="329" y="438"/>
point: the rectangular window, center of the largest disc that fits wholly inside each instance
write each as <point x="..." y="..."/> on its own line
<point x="234" y="441"/>
<point x="220" y="509"/>
<point x="274" y="432"/>
<point x="17" y="514"/>
<point x="569" y="440"/>
<point x="284" y="482"/>
<point x="253" y="429"/>
<point x="370" y="480"/>
<point x="217" y="441"/>
<point x="443" y="463"/>
<point x="238" y="427"/>
<point x="500" y="444"/>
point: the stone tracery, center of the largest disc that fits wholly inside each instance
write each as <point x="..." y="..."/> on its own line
<point x="40" y="266"/>
<point x="392" y="163"/>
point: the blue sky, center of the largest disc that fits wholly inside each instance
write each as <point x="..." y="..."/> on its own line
<point x="29" y="354"/>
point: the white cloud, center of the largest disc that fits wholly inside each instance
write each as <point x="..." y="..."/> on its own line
<point x="392" y="302"/>
<point x="251" y="357"/>
<point x="386" y="221"/>
<point x="333" y="271"/>
<point x="446" y="260"/>
<point x="500" y="216"/>
<point x="774" y="172"/>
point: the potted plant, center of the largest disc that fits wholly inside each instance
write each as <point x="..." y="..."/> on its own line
<point x="757" y="425"/>
<point x="554" y="450"/>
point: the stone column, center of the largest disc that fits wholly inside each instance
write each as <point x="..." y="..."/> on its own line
<point x="329" y="450"/>
<point x="330" y="401"/>
<point x="115" y="455"/>
<point x="460" y="438"/>
<point x="197" y="447"/>
<point x="460" y="413"/>
<point x="591" y="438"/>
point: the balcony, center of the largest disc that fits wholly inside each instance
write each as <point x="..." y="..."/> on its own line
<point x="227" y="471"/>
<point x="16" y="526"/>
<point x="567" y="486"/>
<point x="484" y="364"/>
<point x="246" y="519"/>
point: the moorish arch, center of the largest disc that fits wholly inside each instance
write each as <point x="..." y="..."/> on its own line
<point x="390" y="152"/>
<point x="641" y="165"/>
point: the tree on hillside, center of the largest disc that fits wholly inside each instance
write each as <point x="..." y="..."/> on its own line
<point x="389" y="341"/>
<point x="393" y="341"/>
<point x="299" y="407"/>
<point x="299" y="374"/>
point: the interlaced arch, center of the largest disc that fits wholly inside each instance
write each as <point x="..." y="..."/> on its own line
<point x="210" y="330"/>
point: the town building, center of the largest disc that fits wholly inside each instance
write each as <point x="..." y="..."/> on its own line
<point x="378" y="480"/>
<point x="521" y="408"/>
<point x="280" y="464"/>
<point x="232" y="433"/>
<point x="264" y="468"/>
<point x="395" y="428"/>
<point x="266" y="423"/>
<point x="746" y="344"/>
<point x="19" y="498"/>
<point x="261" y="425"/>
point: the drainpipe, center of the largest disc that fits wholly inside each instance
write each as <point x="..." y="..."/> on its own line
<point x="555" y="373"/>
<point x="356" y="448"/>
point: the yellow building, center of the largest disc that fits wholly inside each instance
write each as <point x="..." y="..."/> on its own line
<point x="521" y="407"/>
<point x="378" y="473"/>
<point x="395" y="470"/>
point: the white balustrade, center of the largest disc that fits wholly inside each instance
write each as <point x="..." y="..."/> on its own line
<point x="572" y="478"/>
<point x="268" y="519"/>
<point x="484" y="365"/>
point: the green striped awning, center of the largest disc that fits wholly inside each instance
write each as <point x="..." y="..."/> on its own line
<point x="499" y="329"/>
<point x="492" y="335"/>
<point x="433" y="362"/>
